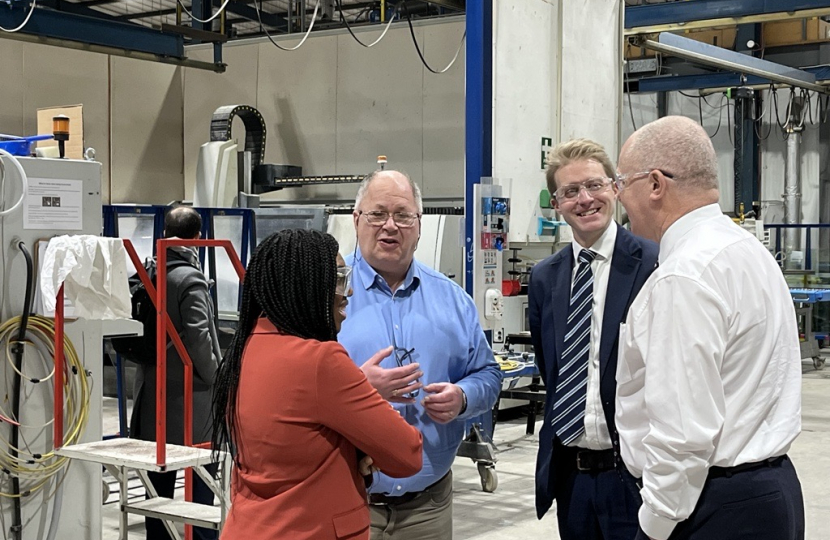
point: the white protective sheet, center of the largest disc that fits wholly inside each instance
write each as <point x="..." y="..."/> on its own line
<point x="94" y="272"/>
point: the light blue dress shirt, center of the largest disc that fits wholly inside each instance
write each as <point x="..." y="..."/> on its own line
<point x="433" y="315"/>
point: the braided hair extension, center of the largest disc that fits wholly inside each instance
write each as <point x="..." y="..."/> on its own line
<point x="291" y="279"/>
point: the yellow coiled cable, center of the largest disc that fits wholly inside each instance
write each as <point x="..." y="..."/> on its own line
<point x="35" y="469"/>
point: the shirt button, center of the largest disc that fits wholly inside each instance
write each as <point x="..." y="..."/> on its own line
<point x="399" y="488"/>
<point x="396" y="327"/>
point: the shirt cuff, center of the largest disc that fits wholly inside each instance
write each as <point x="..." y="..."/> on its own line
<point x="655" y="526"/>
<point x="469" y="393"/>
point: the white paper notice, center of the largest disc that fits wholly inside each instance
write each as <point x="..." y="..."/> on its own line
<point x="54" y="204"/>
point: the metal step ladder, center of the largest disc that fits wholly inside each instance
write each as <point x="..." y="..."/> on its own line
<point x="121" y="455"/>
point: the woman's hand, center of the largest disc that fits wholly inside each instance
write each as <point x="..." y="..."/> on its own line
<point x="365" y="466"/>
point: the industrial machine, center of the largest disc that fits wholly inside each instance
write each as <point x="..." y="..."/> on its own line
<point x="41" y="198"/>
<point x="491" y="224"/>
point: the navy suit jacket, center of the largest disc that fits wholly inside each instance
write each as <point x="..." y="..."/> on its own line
<point x="549" y="293"/>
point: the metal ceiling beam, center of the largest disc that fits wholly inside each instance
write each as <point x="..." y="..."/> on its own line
<point x="146" y="14"/>
<point x="91" y="3"/>
<point x="672" y="83"/>
<point x="91" y="30"/>
<point x="692" y="14"/>
<point x="113" y="51"/>
<point x="92" y="34"/>
<point x="709" y="55"/>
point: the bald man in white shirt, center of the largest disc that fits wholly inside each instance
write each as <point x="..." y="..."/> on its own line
<point x="709" y="374"/>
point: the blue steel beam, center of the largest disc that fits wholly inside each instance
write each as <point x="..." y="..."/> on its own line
<point x="699" y="10"/>
<point x="714" y="80"/>
<point x="91" y="30"/>
<point x="478" y="127"/>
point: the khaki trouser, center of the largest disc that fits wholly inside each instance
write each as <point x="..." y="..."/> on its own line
<point x="426" y="517"/>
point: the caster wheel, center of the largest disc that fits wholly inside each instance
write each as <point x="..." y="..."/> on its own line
<point x="818" y="362"/>
<point x="489" y="477"/>
<point x="105" y="492"/>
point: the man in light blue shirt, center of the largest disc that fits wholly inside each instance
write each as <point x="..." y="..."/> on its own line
<point x="441" y="370"/>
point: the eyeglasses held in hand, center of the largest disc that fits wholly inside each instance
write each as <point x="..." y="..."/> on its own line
<point x="344" y="280"/>
<point x="376" y="218"/>
<point x="404" y="357"/>
<point x="593" y="186"/>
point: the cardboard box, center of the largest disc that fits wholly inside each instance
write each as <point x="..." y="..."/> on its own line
<point x="795" y="32"/>
<point x="75" y="145"/>
<point x="719" y="37"/>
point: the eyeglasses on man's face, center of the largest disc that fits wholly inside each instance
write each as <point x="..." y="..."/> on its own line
<point x="376" y="218"/>
<point x="344" y="280"/>
<point x="623" y="180"/>
<point x="593" y="186"/>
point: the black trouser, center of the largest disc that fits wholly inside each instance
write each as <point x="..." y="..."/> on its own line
<point x="760" y="503"/>
<point x="165" y="484"/>
<point x="599" y="504"/>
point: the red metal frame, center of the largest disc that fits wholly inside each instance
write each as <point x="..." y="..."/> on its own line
<point x="164" y="327"/>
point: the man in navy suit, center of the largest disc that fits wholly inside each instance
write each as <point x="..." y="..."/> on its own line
<point x="577" y="300"/>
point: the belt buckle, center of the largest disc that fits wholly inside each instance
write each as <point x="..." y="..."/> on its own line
<point x="579" y="465"/>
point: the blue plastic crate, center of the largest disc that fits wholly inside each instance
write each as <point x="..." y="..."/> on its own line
<point x="810" y="296"/>
<point x="22" y="146"/>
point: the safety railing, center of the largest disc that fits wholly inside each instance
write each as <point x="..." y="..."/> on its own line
<point x="164" y="328"/>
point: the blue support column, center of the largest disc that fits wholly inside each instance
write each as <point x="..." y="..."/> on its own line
<point x="479" y="116"/>
<point x="202" y="9"/>
<point x="746" y="150"/>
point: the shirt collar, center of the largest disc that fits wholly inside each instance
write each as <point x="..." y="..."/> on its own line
<point x="603" y="247"/>
<point x="370" y="278"/>
<point x="684" y="225"/>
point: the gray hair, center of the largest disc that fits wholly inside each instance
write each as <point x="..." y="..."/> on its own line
<point x="676" y="145"/>
<point x="416" y="191"/>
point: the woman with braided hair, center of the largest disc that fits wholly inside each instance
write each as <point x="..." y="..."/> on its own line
<point x="295" y="408"/>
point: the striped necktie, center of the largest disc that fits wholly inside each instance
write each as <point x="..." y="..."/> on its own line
<point x="569" y="399"/>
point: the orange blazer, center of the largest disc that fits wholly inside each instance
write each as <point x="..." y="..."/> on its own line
<point x="303" y="408"/>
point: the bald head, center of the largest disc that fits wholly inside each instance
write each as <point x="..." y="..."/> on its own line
<point x="678" y="146"/>
<point x="389" y="174"/>
<point x="182" y="222"/>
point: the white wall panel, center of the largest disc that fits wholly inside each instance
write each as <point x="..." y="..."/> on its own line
<point x="147" y="122"/>
<point x="526" y="99"/>
<point x="12" y="90"/>
<point x="443" y="111"/>
<point x="590" y="76"/>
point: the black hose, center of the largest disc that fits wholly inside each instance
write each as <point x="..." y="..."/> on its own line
<point x="17" y="519"/>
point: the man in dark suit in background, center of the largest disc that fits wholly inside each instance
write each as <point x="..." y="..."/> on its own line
<point x="577" y="300"/>
<point x="191" y="311"/>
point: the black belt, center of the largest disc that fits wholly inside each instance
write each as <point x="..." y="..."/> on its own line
<point x="720" y="472"/>
<point x="595" y="460"/>
<point x="380" y="498"/>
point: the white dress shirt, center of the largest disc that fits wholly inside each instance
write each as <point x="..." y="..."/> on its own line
<point x="709" y="372"/>
<point x="596" y="436"/>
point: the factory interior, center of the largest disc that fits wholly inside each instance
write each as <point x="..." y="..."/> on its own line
<point x="266" y="115"/>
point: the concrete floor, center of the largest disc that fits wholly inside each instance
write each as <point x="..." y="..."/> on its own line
<point x="509" y="512"/>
